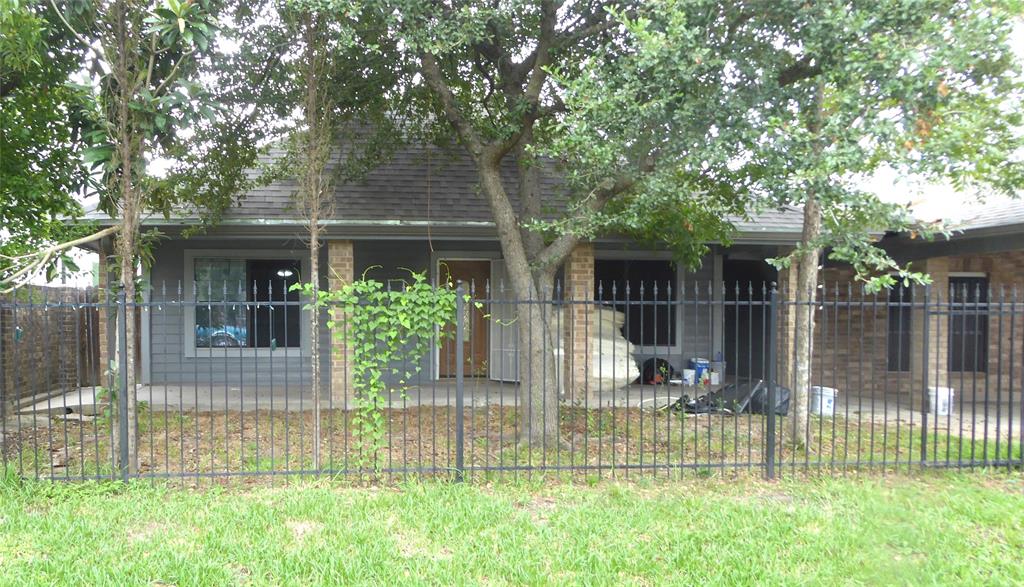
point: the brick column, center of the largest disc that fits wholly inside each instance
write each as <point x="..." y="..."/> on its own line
<point x="579" y="287"/>
<point x="785" y="325"/>
<point x="69" y="340"/>
<point x="6" y="376"/>
<point x="937" y="324"/>
<point x="340" y="272"/>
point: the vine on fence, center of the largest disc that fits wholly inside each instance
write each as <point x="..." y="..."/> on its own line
<point x="389" y="332"/>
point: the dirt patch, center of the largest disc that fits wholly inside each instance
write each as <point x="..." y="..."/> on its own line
<point x="145" y="532"/>
<point x="413" y="545"/>
<point x="300" y="529"/>
<point x="236" y="448"/>
<point x="539" y="508"/>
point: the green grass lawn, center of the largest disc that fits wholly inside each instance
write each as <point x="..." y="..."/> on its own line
<point x="956" y="529"/>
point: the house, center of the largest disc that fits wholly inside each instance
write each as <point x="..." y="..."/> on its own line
<point x="419" y="211"/>
<point x="958" y="333"/>
<point x="422" y="211"/>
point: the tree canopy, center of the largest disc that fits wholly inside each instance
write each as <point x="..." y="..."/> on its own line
<point x="46" y="116"/>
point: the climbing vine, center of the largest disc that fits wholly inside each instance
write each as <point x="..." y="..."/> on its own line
<point x="389" y="332"/>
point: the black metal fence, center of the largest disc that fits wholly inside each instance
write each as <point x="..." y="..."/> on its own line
<point x="645" y="380"/>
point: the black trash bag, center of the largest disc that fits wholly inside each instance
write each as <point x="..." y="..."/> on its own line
<point x="759" y="400"/>
<point x="656" y="372"/>
<point x="736" y="398"/>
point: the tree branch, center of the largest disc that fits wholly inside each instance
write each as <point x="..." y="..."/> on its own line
<point x="801" y="70"/>
<point x="540" y="59"/>
<point x="595" y="24"/>
<point x="173" y="73"/>
<point x="39" y="259"/>
<point x="152" y="59"/>
<point x="435" y="80"/>
<point x="559" y="248"/>
<point x="70" y="28"/>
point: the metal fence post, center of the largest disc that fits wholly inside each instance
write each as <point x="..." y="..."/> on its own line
<point x="924" y="374"/>
<point x="122" y="391"/>
<point x="460" y="384"/>
<point x="773" y="309"/>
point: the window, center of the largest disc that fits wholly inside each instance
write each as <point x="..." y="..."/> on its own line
<point x="244" y="303"/>
<point x="968" y="324"/>
<point x="900" y="300"/>
<point x="650" y="317"/>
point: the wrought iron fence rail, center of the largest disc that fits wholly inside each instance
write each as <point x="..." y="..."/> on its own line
<point x="922" y="379"/>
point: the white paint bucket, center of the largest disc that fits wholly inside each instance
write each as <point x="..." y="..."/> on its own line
<point x="940" y="400"/>
<point x="689" y="376"/>
<point x="823" y="400"/>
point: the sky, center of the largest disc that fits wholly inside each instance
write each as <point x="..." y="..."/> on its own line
<point x="937" y="201"/>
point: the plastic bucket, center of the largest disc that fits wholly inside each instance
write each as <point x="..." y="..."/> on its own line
<point x="700" y="366"/>
<point x="823" y="400"/>
<point x="689" y="376"/>
<point x="940" y="400"/>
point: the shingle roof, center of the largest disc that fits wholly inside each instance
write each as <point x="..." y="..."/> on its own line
<point x="996" y="215"/>
<point x="417" y="184"/>
<point x="421" y="185"/>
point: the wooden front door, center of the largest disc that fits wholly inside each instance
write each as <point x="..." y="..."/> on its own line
<point x="475" y="347"/>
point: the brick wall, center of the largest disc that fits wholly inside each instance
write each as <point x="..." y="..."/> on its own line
<point x="852" y="342"/>
<point x="785" y="327"/>
<point x="49" y="343"/>
<point x="579" y="287"/>
<point x="340" y="271"/>
<point x="1005" y="272"/>
<point x="105" y="315"/>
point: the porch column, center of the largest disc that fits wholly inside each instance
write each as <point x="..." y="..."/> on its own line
<point x="937" y="323"/>
<point x="340" y="272"/>
<point x="785" y="325"/>
<point x="70" y="337"/>
<point x="579" y="293"/>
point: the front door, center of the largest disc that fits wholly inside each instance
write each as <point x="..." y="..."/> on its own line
<point x="468" y="273"/>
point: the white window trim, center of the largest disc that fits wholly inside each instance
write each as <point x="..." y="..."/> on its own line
<point x="188" y="328"/>
<point x="953" y="274"/>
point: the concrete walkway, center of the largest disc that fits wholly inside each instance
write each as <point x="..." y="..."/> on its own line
<point x="477" y="393"/>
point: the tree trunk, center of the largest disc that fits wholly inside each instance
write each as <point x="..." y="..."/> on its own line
<point x="532" y="288"/>
<point x="314" y="339"/>
<point x="806" y="295"/>
<point x="806" y="288"/>
<point x="126" y="364"/>
<point x="129" y="153"/>
<point x="313" y="198"/>
<point x="538" y="373"/>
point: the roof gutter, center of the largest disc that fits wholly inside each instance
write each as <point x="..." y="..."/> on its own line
<point x="370" y="229"/>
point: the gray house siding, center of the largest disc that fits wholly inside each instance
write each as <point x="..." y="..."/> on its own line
<point x="168" y="361"/>
<point x="698" y="323"/>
